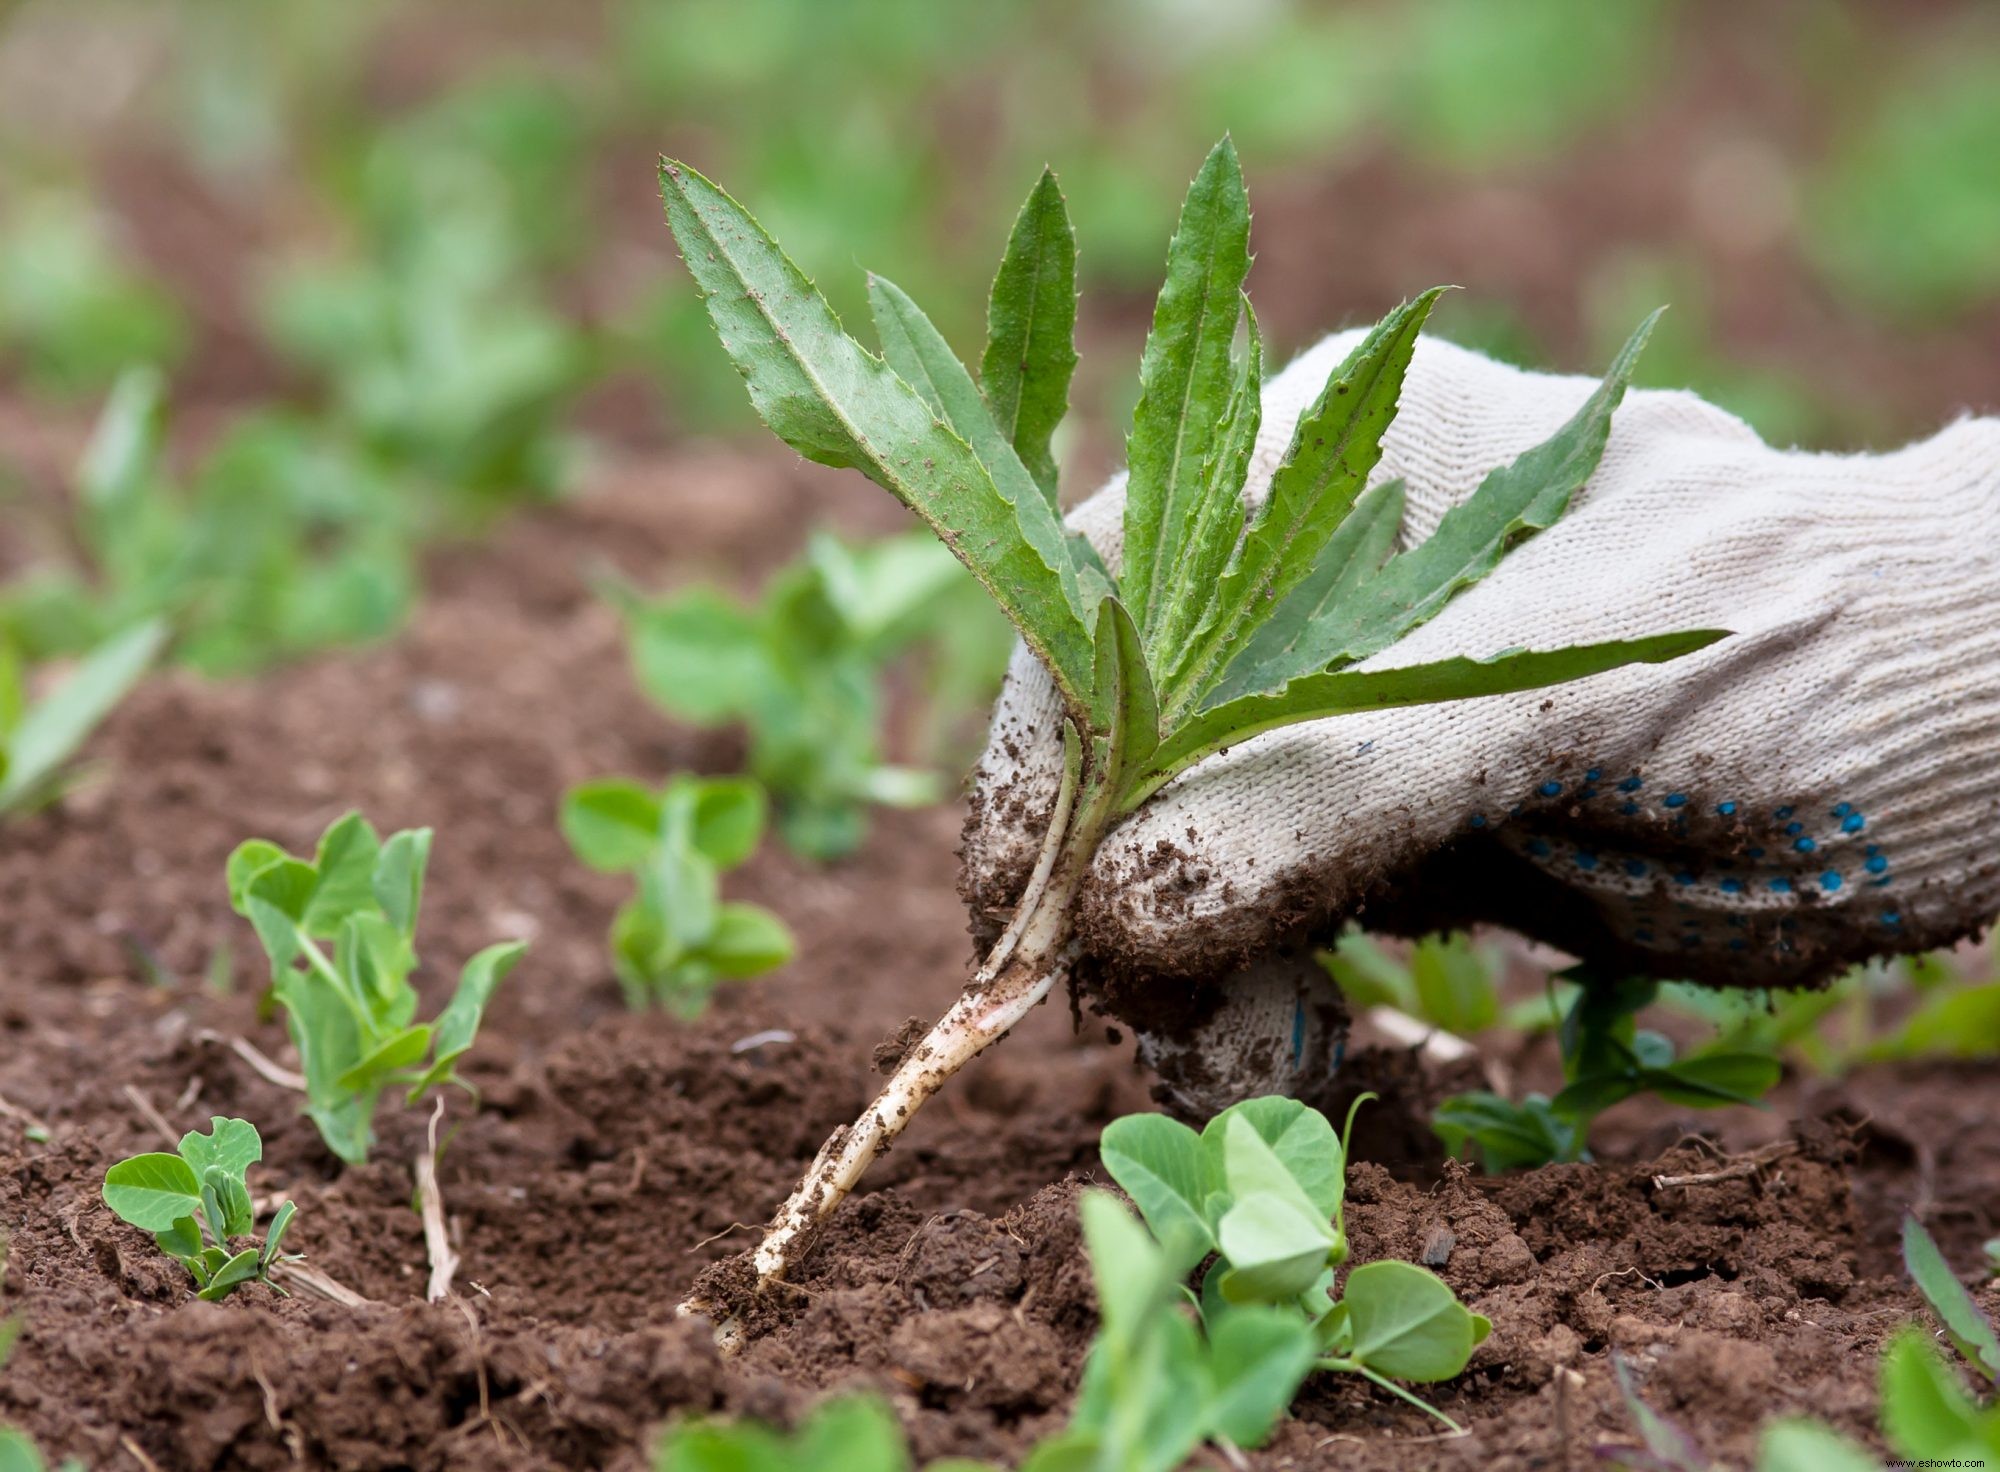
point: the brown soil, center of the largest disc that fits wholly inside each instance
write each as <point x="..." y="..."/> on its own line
<point x="616" y="1156"/>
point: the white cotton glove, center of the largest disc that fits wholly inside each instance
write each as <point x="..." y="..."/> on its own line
<point x="1822" y="786"/>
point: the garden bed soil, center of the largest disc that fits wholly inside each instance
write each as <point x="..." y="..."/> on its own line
<point x="617" y="1156"/>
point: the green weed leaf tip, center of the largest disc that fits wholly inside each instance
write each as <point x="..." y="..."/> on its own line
<point x="836" y="403"/>
<point x="1030" y="353"/>
<point x="1965" y="1323"/>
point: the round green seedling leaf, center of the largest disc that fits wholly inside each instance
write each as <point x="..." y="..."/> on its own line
<point x="249" y="859"/>
<point x="611" y="824"/>
<point x="1275" y="1250"/>
<point x="1161" y="1165"/>
<point x="233" y="1145"/>
<point x="18" y="1454"/>
<point x="748" y="940"/>
<point x="1301" y="1138"/>
<point x="700" y="656"/>
<point x="1258" y="1357"/>
<point x="857" y="1434"/>
<point x="1407" y="1323"/>
<point x="152" y="1192"/>
<point x="1807" y="1446"/>
<point x="729" y="817"/>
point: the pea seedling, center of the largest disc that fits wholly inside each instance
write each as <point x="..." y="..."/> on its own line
<point x="351" y="1013"/>
<point x="802" y="669"/>
<point x="1606" y="1059"/>
<point x="1222" y="622"/>
<point x="196" y="1204"/>
<point x="1263" y="1187"/>
<point x="38" y="738"/>
<point x="676" y="938"/>
<point x="284" y="540"/>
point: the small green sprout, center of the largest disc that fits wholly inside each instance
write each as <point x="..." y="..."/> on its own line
<point x="803" y="670"/>
<point x="73" y="313"/>
<point x="1222" y="620"/>
<point x="196" y="1205"/>
<point x="1606" y="1058"/>
<point x="350" y="1007"/>
<point x="284" y="540"/>
<point x="855" y="1433"/>
<point x="676" y="939"/>
<point x="38" y="737"/>
<point x="1263" y="1187"/>
<point x="1928" y="1418"/>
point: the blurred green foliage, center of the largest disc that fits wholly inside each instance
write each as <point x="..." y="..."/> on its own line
<point x="74" y="312"/>
<point x="282" y="542"/>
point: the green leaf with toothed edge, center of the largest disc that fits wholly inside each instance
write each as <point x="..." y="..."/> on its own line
<point x="1031" y="330"/>
<point x="925" y="361"/>
<point x="1218" y="520"/>
<point x="1185" y="378"/>
<point x="1346" y="692"/>
<point x="1335" y="445"/>
<point x="1353" y="554"/>
<point x="1512" y="503"/>
<point x="1965" y="1323"/>
<point x="836" y="403"/>
<point x="1125" y="708"/>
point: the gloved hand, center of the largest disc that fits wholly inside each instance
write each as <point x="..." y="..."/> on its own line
<point x="1823" y="786"/>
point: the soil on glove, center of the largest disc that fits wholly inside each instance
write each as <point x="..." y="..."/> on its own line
<point x="617" y="1156"/>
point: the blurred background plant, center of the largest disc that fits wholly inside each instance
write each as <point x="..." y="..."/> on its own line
<point x="337" y="278"/>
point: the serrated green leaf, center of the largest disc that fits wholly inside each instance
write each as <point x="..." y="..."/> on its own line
<point x="52" y="729"/>
<point x="1219" y="518"/>
<point x="1348" y="691"/>
<point x="1335" y="445"/>
<point x="153" y="1191"/>
<point x="1184" y="378"/>
<point x="1407" y="1323"/>
<point x="1126" y="710"/>
<point x="1965" y="1323"/>
<point x="925" y="361"/>
<point x="1161" y="1165"/>
<point x="1282" y="649"/>
<point x="1512" y="503"/>
<point x="1030" y="331"/>
<point x="834" y="402"/>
